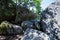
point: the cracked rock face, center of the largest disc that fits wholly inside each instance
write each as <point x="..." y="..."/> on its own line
<point x="51" y="20"/>
<point x="32" y="34"/>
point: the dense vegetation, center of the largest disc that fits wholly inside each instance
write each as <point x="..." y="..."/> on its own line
<point x="15" y="11"/>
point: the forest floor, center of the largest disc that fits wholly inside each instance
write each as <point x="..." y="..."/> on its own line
<point x="10" y="37"/>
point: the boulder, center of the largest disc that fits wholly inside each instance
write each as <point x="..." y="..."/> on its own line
<point x="14" y="29"/>
<point x="8" y="28"/>
<point x="31" y="24"/>
<point x="51" y="20"/>
<point x="27" y="24"/>
<point x="32" y="34"/>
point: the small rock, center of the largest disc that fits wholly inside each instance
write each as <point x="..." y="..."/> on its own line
<point x="36" y="23"/>
<point x="27" y="24"/>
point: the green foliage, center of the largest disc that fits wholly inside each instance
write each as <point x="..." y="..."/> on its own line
<point x="33" y="3"/>
<point x="38" y="7"/>
<point x="4" y="24"/>
<point x="9" y="8"/>
<point x="3" y="27"/>
<point x="6" y="13"/>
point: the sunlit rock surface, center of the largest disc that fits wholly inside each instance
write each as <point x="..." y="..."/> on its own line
<point x="32" y="34"/>
<point x="51" y="20"/>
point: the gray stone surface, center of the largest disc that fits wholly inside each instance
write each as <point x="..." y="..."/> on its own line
<point x="27" y="24"/>
<point x="36" y="23"/>
<point x="14" y="29"/>
<point x="31" y="24"/>
<point x="32" y="34"/>
<point x="51" y="20"/>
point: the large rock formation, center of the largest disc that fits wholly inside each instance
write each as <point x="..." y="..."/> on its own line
<point x="50" y="24"/>
<point x="51" y="20"/>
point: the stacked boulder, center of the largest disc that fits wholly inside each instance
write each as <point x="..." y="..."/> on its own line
<point x="50" y="24"/>
<point x="32" y="29"/>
